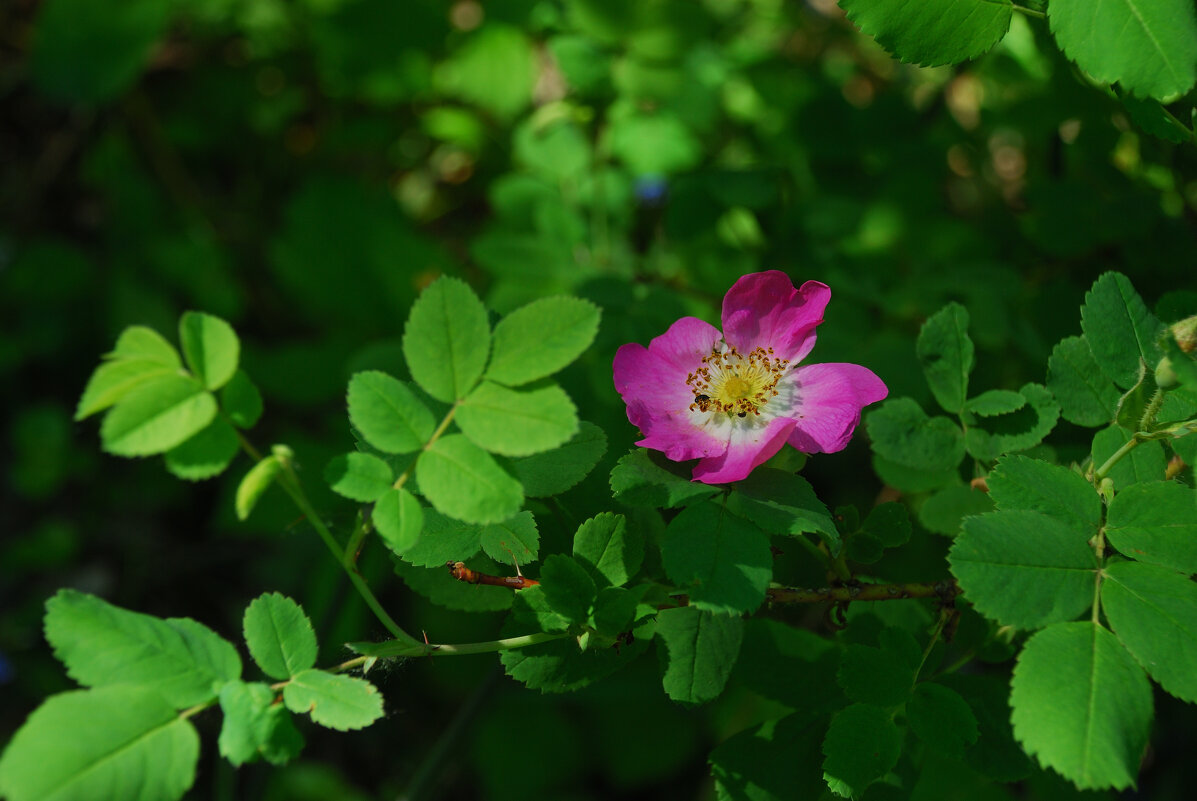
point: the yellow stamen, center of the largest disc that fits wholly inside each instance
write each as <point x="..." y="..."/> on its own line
<point x="732" y="383"/>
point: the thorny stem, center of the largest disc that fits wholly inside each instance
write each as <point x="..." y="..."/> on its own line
<point x="387" y="650"/>
<point x="946" y="590"/>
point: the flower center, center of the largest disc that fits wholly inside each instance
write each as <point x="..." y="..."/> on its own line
<point x="733" y="383"/>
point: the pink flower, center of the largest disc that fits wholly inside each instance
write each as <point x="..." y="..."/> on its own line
<point x="732" y="400"/>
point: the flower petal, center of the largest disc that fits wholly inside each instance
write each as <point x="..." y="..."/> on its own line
<point x="828" y="403"/>
<point x="652" y="382"/>
<point x="748" y="447"/>
<point x="764" y="309"/>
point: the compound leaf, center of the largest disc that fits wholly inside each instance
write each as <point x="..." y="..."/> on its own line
<point x="279" y="636"/>
<point x="539" y="339"/>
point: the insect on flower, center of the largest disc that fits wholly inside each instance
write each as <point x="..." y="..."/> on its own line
<point x="733" y="399"/>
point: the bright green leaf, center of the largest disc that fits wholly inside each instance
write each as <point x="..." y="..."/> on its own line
<point x="517" y="422"/>
<point x="1148" y="46"/>
<point x="861" y="746"/>
<point x="514" y="541"/>
<point x="721" y="561"/>
<point x="943" y="347"/>
<point x="156" y="416"/>
<point x="358" y="476"/>
<point x="444" y="539"/>
<point x="783" y="503"/>
<point x="140" y="342"/>
<point x="257" y="480"/>
<point x="935" y="32"/>
<point x="241" y="400"/>
<point x="472" y="73"/>
<point x="697" y="651"/>
<point x="279" y="636"/>
<point x="1024" y="568"/>
<point x="447" y="340"/>
<point x="609" y="548"/>
<point x="254" y="725"/>
<point x="335" y="701"/>
<point x="438" y="586"/>
<point x="560" y="666"/>
<point x="205" y="454"/>
<point x="99" y="745"/>
<point x="640" y="478"/>
<point x="1118" y="327"/>
<point x="995" y="402"/>
<point x="941" y="718"/>
<point x="398" y="518"/>
<point x="461" y="480"/>
<point x="387" y="413"/>
<point x="113" y="380"/>
<point x="1086" y="396"/>
<point x="102" y="644"/>
<point x="653" y="144"/>
<point x="210" y="347"/>
<point x="1153" y="611"/>
<point x="553" y="472"/>
<point x="539" y="339"/>
<point x="1018" y="482"/>
<point x="1081" y="705"/>
<point x="1144" y="463"/>
<point x="1156" y="523"/>
<point x="1018" y="430"/>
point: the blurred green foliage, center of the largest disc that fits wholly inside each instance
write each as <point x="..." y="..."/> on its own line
<point x="304" y="169"/>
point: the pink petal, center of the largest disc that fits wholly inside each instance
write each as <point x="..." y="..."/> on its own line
<point x="828" y="401"/>
<point x="745" y="452"/>
<point x="652" y="382"/>
<point x="764" y="309"/>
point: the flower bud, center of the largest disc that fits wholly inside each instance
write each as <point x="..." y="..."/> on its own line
<point x="1165" y="374"/>
<point x="1185" y="332"/>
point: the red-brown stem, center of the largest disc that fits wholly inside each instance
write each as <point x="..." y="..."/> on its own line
<point x="459" y="571"/>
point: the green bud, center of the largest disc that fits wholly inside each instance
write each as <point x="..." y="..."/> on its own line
<point x="1165" y="374"/>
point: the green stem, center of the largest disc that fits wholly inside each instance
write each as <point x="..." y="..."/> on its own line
<point x="387" y="650"/>
<point x="440" y="429"/>
<point x="944" y="614"/>
<point x="1030" y="12"/>
<point x="1192" y="134"/>
<point x="1118" y="454"/>
<point x="352" y="547"/>
<point x="1153" y="408"/>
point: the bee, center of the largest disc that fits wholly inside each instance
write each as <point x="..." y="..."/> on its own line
<point x="701" y="402"/>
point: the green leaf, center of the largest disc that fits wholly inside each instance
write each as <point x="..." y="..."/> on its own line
<point x="444" y="539"/>
<point x="517" y="422"/>
<point x="113" y="380"/>
<point x="1086" y="396"/>
<point x="1153" y="611"/>
<point x="461" y="480"/>
<point x="140" y="342"/>
<point x="1155" y="522"/>
<point x="531" y="605"/>
<point x="1151" y="116"/>
<point x="996" y="754"/>
<point x="514" y="541"/>
<point x="1148" y="46"/>
<point x="1119" y="328"/>
<point x="555" y="471"/>
<point x="1024" y="568"/>
<point x="257" y="480"/>
<point x="156" y="416"/>
<point x="387" y="413"/>
<point x="567" y="587"/>
<point x="943" y="347"/>
<point x="912" y="479"/>
<point x="640" y="479"/>
<point x="697" y="651"/>
<point x="279" y="636"/>
<point x="875" y="675"/>
<point x="398" y="518"/>
<point x="97" y="745"/>
<point x="722" y="561"/>
<point x="614" y="609"/>
<point x="1018" y="482"/>
<point x="471" y="75"/>
<point x="84" y="53"/>
<point x="995" y="402"/>
<point x="447" y="340"/>
<point x="1146" y="462"/>
<point x="609" y="549"/>
<point x="539" y="339"/>
<point x="1017" y="431"/>
<point x="902" y="433"/>
<point x="889" y="523"/>
<point x="442" y="589"/>
<point x="783" y="663"/>
<point x="334" y="701"/>
<point x="205" y="454"/>
<point x="241" y="400"/>
<point x="653" y="143"/>
<point x="1133" y="404"/>
<point x="358" y="476"/>
<point x="934" y="32"/>
<point x="1081" y="705"/>
<point x="777" y="761"/>
<point x="783" y="503"/>
<point x="254" y="725"/>
<point x="560" y="666"/>
<point x="941" y="718"/>
<point x="101" y="644"/>
<point x="861" y="746"/>
<point x="944" y="511"/>
<point x="210" y="347"/>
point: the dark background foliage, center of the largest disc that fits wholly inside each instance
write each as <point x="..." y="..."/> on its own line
<point x="303" y="169"/>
